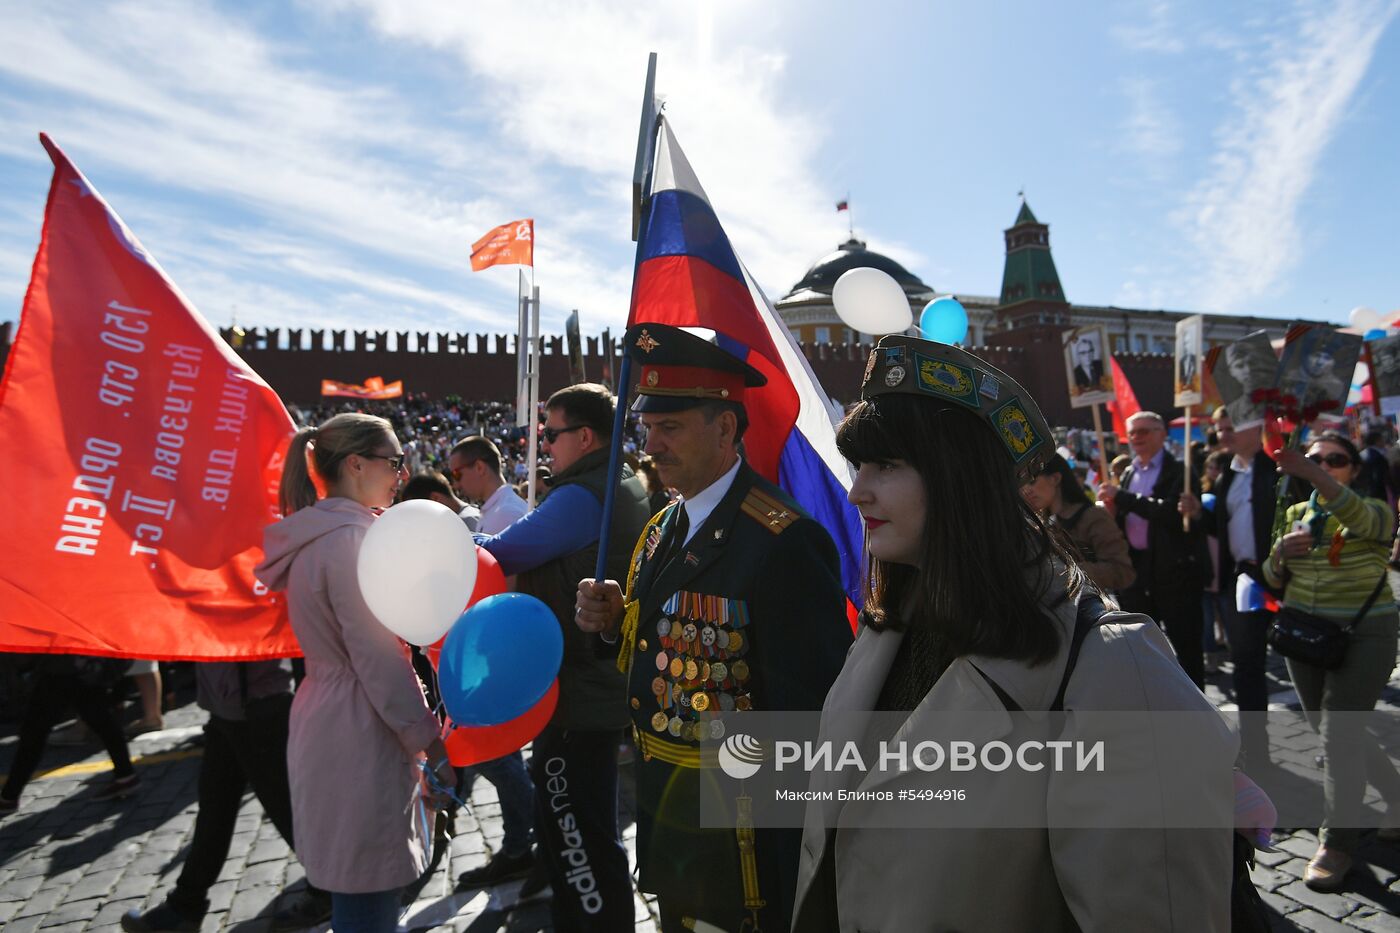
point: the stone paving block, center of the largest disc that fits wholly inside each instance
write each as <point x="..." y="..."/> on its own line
<point x="1294" y="866"/>
<point x="8" y="909"/>
<point x="41" y="902"/>
<point x="1299" y="845"/>
<point x="221" y="895"/>
<point x="1335" y="906"/>
<point x="133" y="885"/>
<point x="112" y="910"/>
<point x="20" y="889"/>
<point x="1281" y="905"/>
<point x="267" y="850"/>
<point x="94" y="884"/>
<point x="76" y="927"/>
<point x="249" y="902"/>
<point x="1270" y="859"/>
<point x="71" y="911"/>
<point x="24" y="924"/>
<point x="1267" y="879"/>
<point x="264" y="875"/>
<point x="1309" y="919"/>
<point x="1374" y="922"/>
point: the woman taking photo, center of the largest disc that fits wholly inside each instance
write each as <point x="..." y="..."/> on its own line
<point x="1334" y="566"/>
<point x="971" y="609"/>
<point x="359" y="724"/>
<point x="1101" y="550"/>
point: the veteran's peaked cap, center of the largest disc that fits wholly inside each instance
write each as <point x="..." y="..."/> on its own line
<point x="678" y="370"/>
<point x="951" y="377"/>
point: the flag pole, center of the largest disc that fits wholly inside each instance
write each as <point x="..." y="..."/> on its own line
<point x="1186" y="460"/>
<point x="641" y="194"/>
<point x="533" y="436"/>
<point x="1098" y="436"/>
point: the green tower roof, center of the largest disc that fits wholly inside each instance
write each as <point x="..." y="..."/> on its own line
<point x="1029" y="274"/>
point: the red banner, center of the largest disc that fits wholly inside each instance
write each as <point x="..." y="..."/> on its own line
<point x="509" y="243"/>
<point x="374" y="388"/>
<point x="142" y="458"/>
<point x="1124" y="404"/>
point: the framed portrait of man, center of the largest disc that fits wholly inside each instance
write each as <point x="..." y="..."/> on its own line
<point x="1240" y="370"/>
<point x="1317" y="366"/>
<point x="1189" y="375"/>
<point x="1385" y="373"/>
<point x="1087" y="368"/>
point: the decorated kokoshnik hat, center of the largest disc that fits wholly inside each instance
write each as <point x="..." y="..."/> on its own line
<point x="953" y="378"/>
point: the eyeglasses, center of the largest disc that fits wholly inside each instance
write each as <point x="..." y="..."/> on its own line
<point x="552" y="434"/>
<point x="1142" y="432"/>
<point x="1335" y="461"/>
<point x="395" y="461"/>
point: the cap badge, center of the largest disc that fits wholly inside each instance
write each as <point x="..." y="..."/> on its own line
<point x="1015" y="429"/>
<point x="894" y="355"/>
<point x="990" y="387"/>
<point x="894" y="376"/>
<point x="946" y="379"/>
<point x="647" y="342"/>
<point x="652" y="377"/>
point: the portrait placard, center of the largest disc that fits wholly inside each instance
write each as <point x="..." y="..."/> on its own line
<point x="1086" y="367"/>
<point x="1240" y="370"/>
<point x="1188" y="369"/>
<point x="1316" y="368"/>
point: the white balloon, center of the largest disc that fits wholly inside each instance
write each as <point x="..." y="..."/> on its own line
<point x="870" y="301"/>
<point x="1364" y="319"/>
<point x="417" y="567"/>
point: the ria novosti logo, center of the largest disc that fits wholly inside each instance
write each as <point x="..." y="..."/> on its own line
<point x="741" y="756"/>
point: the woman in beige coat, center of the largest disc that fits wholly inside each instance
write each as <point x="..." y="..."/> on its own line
<point x="359" y="724"/>
<point x="970" y="617"/>
<point x="1101" y="549"/>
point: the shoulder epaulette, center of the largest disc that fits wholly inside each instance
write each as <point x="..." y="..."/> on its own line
<point x="769" y="512"/>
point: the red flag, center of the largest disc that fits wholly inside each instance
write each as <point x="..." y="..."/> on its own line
<point x="1124" y="404"/>
<point x="374" y="388"/>
<point x="509" y="243"/>
<point x="143" y="457"/>
<point x="842" y="205"/>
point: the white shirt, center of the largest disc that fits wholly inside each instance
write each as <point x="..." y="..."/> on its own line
<point x="1240" y="502"/>
<point x="698" y="509"/>
<point x="501" y="510"/>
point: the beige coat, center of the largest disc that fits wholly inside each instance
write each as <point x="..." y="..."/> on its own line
<point x="1015" y="880"/>
<point x="359" y="721"/>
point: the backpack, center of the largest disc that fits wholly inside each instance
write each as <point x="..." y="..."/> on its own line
<point x="1247" y="914"/>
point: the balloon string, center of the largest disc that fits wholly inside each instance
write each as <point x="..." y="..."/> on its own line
<point x="437" y="786"/>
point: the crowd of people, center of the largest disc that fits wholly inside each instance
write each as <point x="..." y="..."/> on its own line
<point x="998" y="573"/>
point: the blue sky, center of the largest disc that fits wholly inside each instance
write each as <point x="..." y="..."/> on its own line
<point x="329" y="162"/>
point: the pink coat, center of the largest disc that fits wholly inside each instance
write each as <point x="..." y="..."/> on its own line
<point x="359" y="722"/>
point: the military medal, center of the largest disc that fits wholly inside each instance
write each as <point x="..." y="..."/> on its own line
<point x="653" y="540"/>
<point x="743" y="702"/>
<point x="688" y="631"/>
<point x="642" y="645"/>
<point x="700" y="702"/>
<point x="716" y="729"/>
<point x="726" y="703"/>
<point x="736" y="642"/>
<point x="663" y="628"/>
<point x="661" y="660"/>
<point x="692" y="670"/>
<point x="658" y="686"/>
<point x="674" y="726"/>
<point x="718" y="672"/>
<point x="658" y="722"/>
<point x="677" y="667"/>
<point x="740" y="670"/>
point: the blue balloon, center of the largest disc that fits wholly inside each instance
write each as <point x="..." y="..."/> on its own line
<point x="944" y="320"/>
<point x="499" y="659"/>
<point x="1375" y="333"/>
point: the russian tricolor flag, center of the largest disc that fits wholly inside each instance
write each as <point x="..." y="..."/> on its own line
<point x="688" y="276"/>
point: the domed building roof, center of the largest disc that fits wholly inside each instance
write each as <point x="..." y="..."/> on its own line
<point x="852" y="254"/>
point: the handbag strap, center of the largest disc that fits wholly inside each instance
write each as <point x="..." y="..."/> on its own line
<point x="1370" y="601"/>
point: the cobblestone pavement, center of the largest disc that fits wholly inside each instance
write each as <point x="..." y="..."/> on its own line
<point x="70" y="863"/>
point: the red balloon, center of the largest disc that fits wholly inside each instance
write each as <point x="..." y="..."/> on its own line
<point x="490" y="580"/>
<point x="468" y="745"/>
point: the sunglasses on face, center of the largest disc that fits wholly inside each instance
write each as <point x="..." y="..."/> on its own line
<point x="1335" y="461"/>
<point x="552" y="434"/>
<point x="395" y="461"/>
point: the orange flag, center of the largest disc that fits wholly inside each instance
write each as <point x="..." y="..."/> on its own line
<point x="1124" y="404"/>
<point x="512" y="243"/>
<point x="144" y="456"/>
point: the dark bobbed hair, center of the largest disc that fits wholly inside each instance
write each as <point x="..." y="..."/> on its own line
<point x="345" y="434"/>
<point x="969" y="582"/>
<point x="1071" y="491"/>
<point x="588" y="404"/>
<point x="1342" y="441"/>
<point x="422" y="486"/>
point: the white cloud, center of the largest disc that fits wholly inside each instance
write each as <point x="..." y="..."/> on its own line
<point x="1243" y="218"/>
<point x="1151" y="131"/>
<point x="1154" y="31"/>
<point x="204" y="115"/>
